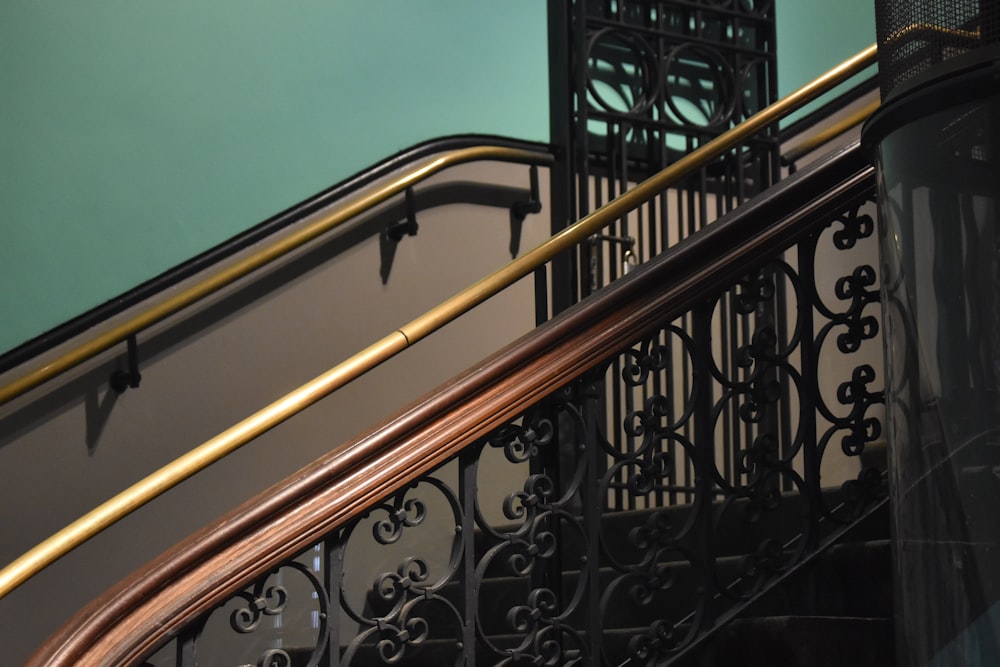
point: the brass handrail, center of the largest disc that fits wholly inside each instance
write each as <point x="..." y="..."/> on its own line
<point x="814" y="141"/>
<point x="274" y="414"/>
<point x="261" y="258"/>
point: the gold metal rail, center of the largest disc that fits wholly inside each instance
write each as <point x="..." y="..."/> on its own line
<point x="929" y="32"/>
<point x="187" y="465"/>
<point x="813" y="142"/>
<point x="259" y="259"/>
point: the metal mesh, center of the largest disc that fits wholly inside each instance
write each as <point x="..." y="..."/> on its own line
<point x="915" y="35"/>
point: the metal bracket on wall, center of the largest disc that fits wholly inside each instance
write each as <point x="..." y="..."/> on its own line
<point x="520" y="210"/>
<point x="400" y="219"/>
<point x="123" y="379"/>
<point x="394" y="233"/>
<point x="397" y="230"/>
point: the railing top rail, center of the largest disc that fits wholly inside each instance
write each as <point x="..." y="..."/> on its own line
<point x="291" y="404"/>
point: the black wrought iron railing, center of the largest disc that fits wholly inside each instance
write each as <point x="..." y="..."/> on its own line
<point x="486" y="525"/>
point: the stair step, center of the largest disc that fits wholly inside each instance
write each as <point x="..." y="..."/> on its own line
<point x="785" y="641"/>
<point x="848" y="580"/>
<point x="852" y="579"/>
<point x="738" y="528"/>
<point x="449" y="652"/>
<point x="775" y="641"/>
<point x="805" y="641"/>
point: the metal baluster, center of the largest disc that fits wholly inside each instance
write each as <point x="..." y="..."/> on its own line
<point x="333" y="575"/>
<point x="589" y="396"/>
<point x="466" y="575"/>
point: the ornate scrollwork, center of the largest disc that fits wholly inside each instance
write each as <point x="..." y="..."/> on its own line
<point x="275" y="657"/>
<point x="753" y="291"/>
<point x="395" y="639"/>
<point x="648" y="420"/>
<point x="521" y="441"/>
<point x="763" y="394"/>
<point x="767" y="558"/>
<point x="408" y="513"/>
<point x="290" y="591"/>
<point x="654" y="644"/>
<point x="537" y="492"/>
<point x="552" y="646"/>
<point x="653" y="468"/>
<point x="761" y="347"/>
<point x="246" y="619"/>
<point x="411" y="573"/>
<point x="660" y="577"/>
<point x="542" y="545"/>
<point x="657" y="531"/>
<point x="648" y="357"/>
<point x="854" y="392"/>
<point x="764" y="454"/>
<point x="855" y="226"/>
<point x="541" y="606"/>
<point x="859" y="494"/>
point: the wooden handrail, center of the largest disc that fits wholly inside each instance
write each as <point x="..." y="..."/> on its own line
<point x="135" y="617"/>
<point x="140" y="493"/>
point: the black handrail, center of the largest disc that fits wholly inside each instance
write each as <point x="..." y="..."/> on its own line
<point x="129" y="299"/>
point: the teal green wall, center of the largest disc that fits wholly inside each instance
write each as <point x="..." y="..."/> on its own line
<point x="815" y="35"/>
<point x="137" y="133"/>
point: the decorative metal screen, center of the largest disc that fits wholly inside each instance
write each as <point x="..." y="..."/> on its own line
<point x="916" y="35"/>
<point x="652" y="81"/>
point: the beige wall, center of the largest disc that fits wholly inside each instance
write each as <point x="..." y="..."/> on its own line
<point x="73" y="443"/>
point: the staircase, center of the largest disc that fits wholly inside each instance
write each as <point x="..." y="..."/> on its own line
<point x="630" y="484"/>
<point x="836" y="610"/>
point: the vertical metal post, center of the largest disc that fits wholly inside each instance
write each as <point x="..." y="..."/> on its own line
<point x="185" y="650"/>
<point x="809" y="395"/>
<point x="704" y="442"/>
<point x="593" y="505"/>
<point x="541" y="296"/>
<point x="467" y="573"/>
<point x="333" y="578"/>
<point x="561" y="209"/>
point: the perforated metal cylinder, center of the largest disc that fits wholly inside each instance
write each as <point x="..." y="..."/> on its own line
<point x="937" y="143"/>
<point x="918" y="40"/>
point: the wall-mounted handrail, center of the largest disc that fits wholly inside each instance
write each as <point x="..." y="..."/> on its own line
<point x="291" y="404"/>
<point x="337" y="216"/>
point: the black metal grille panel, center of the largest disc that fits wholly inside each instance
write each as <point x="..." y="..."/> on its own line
<point x="651" y="82"/>
<point x="916" y="36"/>
<point x="518" y="552"/>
